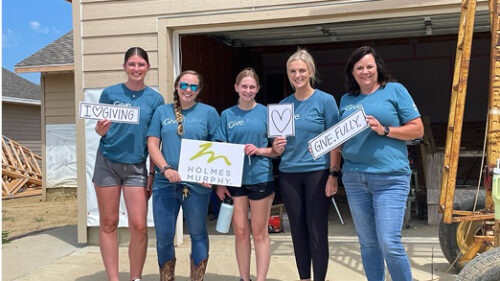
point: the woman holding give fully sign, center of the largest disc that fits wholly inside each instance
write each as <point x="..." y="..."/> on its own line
<point x="376" y="172"/>
<point x="246" y="123"/>
<point x="306" y="184"/>
<point x="190" y="119"/>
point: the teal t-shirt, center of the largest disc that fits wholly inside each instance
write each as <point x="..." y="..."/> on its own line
<point x="312" y="117"/>
<point x="368" y="151"/>
<point x="200" y="123"/>
<point x="244" y="127"/>
<point x="127" y="143"/>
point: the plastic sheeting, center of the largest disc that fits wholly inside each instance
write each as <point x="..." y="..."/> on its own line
<point x="91" y="145"/>
<point x="60" y="151"/>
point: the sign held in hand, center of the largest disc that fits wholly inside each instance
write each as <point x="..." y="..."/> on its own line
<point x="114" y="113"/>
<point x="211" y="162"/>
<point x="338" y="133"/>
<point x="280" y="120"/>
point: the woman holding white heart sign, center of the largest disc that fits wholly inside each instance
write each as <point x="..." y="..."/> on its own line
<point x="246" y="123"/>
<point x="306" y="184"/>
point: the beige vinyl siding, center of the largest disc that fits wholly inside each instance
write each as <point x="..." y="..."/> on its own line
<point x="108" y="28"/>
<point x="22" y="123"/>
<point x="59" y="98"/>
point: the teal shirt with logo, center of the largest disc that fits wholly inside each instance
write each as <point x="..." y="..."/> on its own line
<point x="200" y="123"/>
<point x="127" y="143"/>
<point x="312" y="117"/>
<point x="248" y="127"/>
<point x="368" y="151"/>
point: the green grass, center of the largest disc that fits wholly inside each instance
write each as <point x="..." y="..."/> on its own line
<point x="40" y="219"/>
<point x="5" y="237"/>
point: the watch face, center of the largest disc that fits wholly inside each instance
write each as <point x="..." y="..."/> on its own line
<point x="386" y="130"/>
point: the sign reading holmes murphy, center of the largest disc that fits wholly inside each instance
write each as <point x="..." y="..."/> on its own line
<point x="211" y="162"/>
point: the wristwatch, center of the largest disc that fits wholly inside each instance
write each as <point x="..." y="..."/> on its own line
<point x="167" y="167"/>
<point x="336" y="174"/>
<point x="386" y="130"/>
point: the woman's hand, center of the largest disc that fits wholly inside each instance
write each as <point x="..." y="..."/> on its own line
<point x="102" y="127"/>
<point x="279" y="144"/>
<point x="375" y="125"/>
<point x="251" y="149"/>
<point x="222" y="192"/>
<point x="149" y="186"/>
<point x="332" y="186"/>
<point x="207" y="185"/>
<point x="172" y="175"/>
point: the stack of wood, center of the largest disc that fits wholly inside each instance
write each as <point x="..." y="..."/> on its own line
<point x="21" y="174"/>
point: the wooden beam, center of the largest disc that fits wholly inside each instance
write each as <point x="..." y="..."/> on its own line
<point x="45" y="68"/>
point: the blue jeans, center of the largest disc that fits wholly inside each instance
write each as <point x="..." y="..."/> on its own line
<point x="166" y="204"/>
<point x="378" y="203"/>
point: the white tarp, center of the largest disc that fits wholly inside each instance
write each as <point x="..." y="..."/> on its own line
<point x="60" y="151"/>
<point x="91" y="145"/>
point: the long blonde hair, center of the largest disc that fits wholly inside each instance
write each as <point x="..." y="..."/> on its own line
<point x="177" y="103"/>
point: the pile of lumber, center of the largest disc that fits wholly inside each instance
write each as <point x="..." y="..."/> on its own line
<point x="21" y="174"/>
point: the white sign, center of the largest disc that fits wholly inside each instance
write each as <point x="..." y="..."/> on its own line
<point x="211" y="162"/>
<point x="338" y="133"/>
<point x="280" y="120"/>
<point x="99" y="111"/>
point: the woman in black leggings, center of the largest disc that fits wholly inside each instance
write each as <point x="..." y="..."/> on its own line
<point x="306" y="184"/>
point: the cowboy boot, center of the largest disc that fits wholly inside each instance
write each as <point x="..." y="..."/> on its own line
<point x="167" y="271"/>
<point x="198" y="272"/>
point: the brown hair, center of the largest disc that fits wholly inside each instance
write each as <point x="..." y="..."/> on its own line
<point x="177" y="103"/>
<point x="247" y="72"/>
<point x="384" y="76"/>
<point x="136" y="51"/>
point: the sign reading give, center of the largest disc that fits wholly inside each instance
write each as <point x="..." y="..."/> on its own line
<point x="211" y="162"/>
<point x="338" y="133"/>
<point x="99" y="111"/>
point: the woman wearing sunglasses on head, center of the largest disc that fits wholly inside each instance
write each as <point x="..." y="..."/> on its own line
<point x="185" y="118"/>
<point x="246" y="123"/>
<point x="121" y="165"/>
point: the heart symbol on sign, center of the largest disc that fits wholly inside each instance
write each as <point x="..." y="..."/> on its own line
<point x="97" y="110"/>
<point x="282" y="120"/>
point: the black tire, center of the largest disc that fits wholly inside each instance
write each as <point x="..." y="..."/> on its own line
<point x="448" y="236"/>
<point x="484" y="267"/>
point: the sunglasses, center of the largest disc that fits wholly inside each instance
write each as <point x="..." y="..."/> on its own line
<point x="184" y="86"/>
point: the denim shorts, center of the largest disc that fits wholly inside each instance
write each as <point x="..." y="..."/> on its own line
<point x="107" y="173"/>
<point x="253" y="191"/>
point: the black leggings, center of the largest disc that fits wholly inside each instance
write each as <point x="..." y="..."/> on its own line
<point x="307" y="208"/>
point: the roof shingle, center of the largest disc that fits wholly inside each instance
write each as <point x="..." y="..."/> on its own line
<point x="59" y="52"/>
<point x="15" y="86"/>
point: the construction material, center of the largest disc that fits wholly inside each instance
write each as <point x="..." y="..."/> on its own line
<point x="21" y="174"/>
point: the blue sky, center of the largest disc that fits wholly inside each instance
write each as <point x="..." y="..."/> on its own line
<point x="30" y="25"/>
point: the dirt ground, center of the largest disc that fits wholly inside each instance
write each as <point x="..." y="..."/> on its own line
<point x="22" y="216"/>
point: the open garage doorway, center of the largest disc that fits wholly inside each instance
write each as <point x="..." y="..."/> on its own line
<point x="418" y="50"/>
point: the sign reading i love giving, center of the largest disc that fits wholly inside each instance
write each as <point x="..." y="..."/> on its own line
<point x="99" y="111"/>
<point x="280" y="120"/>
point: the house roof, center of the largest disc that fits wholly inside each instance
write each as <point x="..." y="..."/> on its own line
<point x="57" y="56"/>
<point x="18" y="90"/>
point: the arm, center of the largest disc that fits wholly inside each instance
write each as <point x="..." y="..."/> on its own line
<point x="332" y="184"/>
<point x="275" y="150"/>
<point x="410" y="130"/>
<point x="158" y="159"/>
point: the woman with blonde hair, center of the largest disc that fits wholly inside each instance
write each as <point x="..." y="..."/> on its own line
<point x="246" y="123"/>
<point x="190" y="119"/>
<point x="307" y="184"/>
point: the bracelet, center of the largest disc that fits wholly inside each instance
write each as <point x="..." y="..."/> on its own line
<point x="152" y="173"/>
<point x="336" y="174"/>
<point x="167" y="167"/>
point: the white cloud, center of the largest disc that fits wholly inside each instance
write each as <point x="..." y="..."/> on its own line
<point x="37" y="26"/>
<point x="9" y="38"/>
